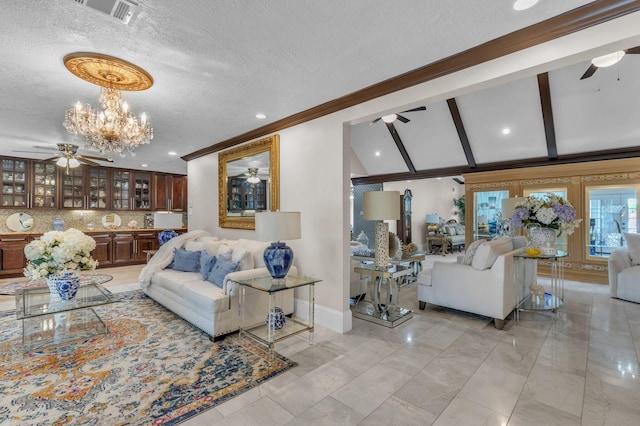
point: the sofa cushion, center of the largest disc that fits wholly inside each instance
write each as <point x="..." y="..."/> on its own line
<point x="471" y="251"/>
<point x="225" y="251"/>
<point x="185" y="260"/>
<point x="451" y="229"/>
<point x="243" y="258"/>
<point x="207" y="260"/>
<point x="256" y="248"/>
<point x="459" y="229"/>
<point x="220" y="270"/>
<point x="488" y="252"/>
<point x="188" y="285"/>
<point x="633" y="243"/>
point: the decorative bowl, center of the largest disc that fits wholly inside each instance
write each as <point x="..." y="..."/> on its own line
<point x="532" y="251"/>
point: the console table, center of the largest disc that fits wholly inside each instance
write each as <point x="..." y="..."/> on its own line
<point x="552" y="300"/>
<point x="413" y="260"/>
<point x="387" y="313"/>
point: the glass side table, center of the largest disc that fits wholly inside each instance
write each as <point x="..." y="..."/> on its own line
<point x="549" y="301"/>
<point x="47" y="321"/>
<point x="384" y="312"/>
<point x="265" y="333"/>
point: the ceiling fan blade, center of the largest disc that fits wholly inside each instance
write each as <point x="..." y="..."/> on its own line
<point x="421" y="108"/>
<point x="633" y="51"/>
<point x="589" y="72"/>
<point x="51" y="158"/>
<point x="30" y="152"/>
<point x="91" y="157"/>
<point x="85" y="161"/>
<point x="375" y="121"/>
<point x="403" y="119"/>
<point x="48" y="148"/>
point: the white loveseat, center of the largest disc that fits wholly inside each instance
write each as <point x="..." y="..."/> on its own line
<point x="485" y="287"/>
<point x="624" y="275"/>
<point x="212" y="309"/>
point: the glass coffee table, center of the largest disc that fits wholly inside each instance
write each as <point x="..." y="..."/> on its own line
<point x="48" y="320"/>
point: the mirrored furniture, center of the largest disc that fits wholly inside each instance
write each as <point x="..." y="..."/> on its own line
<point x="248" y="182"/>
<point x="383" y="310"/>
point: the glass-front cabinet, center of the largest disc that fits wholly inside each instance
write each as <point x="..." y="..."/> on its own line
<point x="98" y="188"/>
<point x="14" y="183"/>
<point x="121" y="195"/>
<point x="44" y="185"/>
<point x="611" y="211"/>
<point x="487" y="213"/>
<point x="141" y="190"/>
<point x="73" y="189"/>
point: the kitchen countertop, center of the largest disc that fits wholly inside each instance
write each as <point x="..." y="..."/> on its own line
<point x="99" y="231"/>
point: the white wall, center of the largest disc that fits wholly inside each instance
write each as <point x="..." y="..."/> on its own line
<point x="315" y="160"/>
<point x="429" y="196"/>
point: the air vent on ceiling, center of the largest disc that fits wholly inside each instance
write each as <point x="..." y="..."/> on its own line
<point x="122" y="10"/>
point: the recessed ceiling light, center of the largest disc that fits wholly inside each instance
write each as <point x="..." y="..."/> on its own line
<point x="260" y="116"/>
<point x="506" y="131"/>
<point x="172" y="153"/>
<point x="524" y="4"/>
<point x="377" y="153"/>
<point x="144" y="165"/>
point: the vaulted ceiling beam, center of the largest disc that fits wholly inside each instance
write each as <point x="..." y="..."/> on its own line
<point x="578" y="19"/>
<point x="401" y="148"/>
<point x="547" y="115"/>
<point x="612" y="154"/>
<point x="462" y="133"/>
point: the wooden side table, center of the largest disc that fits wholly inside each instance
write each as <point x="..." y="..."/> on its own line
<point x="443" y="243"/>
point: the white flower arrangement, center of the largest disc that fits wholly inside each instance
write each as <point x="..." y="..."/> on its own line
<point x="59" y="252"/>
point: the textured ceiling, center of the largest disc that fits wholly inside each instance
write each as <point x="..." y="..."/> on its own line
<point x="216" y="64"/>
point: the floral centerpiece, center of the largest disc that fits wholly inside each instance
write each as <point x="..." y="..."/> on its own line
<point x="57" y="253"/>
<point x="550" y="211"/>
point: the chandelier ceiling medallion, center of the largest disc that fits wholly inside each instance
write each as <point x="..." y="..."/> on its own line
<point x="114" y="128"/>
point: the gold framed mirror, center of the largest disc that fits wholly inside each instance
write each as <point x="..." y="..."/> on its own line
<point x="248" y="182"/>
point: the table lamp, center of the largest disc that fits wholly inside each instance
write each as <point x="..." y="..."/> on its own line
<point x="270" y="226"/>
<point x="382" y="205"/>
<point x="432" y="223"/>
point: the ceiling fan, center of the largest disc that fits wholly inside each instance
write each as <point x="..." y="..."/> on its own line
<point x="68" y="156"/>
<point x="608" y="60"/>
<point x="392" y="117"/>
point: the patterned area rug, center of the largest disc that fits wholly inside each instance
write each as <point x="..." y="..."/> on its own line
<point x="11" y="287"/>
<point x="153" y="368"/>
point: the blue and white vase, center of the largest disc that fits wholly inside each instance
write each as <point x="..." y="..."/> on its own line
<point x="275" y="319"/>
<point x="278" y="258"/>
<point x="166" y="235"/>
<point x="58" y="224"/>
<point x="66" y="285"/>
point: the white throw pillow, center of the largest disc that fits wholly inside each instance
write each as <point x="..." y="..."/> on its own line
<point x="225" y="251"/>
<point x="488" y="252"/>
<point x="471" y="251"/>
<point x="194" y="246"/>
<point x="633" y="244"/>
<point x="243" y="258"/>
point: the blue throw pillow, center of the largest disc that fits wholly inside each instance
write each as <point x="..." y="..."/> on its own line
<point x="220" y="270"/>
<point x="185" y="260"/>
<point x="206" y="263"/>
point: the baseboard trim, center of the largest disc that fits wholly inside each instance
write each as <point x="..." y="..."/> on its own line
<point x="340" y="322"/>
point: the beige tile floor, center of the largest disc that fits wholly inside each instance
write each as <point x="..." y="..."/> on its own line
<point x="580" y="367"/>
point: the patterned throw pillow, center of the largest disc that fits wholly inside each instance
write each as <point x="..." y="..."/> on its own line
<point x="220" y="270"/>
<point x="185" y="260"/>
<point x="207" y="261"/>
<point x="471" y="251"/>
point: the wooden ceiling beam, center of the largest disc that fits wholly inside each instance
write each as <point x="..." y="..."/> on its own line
<point x="401" y="148"/>
<point x="462" y="133"/>
<point x="575" y="20"/>
<point x="612" y="154"/>
<point x="547" y="115"/>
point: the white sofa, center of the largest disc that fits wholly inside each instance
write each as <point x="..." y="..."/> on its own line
<point x="624" y="276"/>
<point x="212" y="309"/>
<point x="489" y="291"/>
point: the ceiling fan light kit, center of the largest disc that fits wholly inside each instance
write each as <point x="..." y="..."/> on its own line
<point x="608" y="60"/>
<point x="114" y="128"/>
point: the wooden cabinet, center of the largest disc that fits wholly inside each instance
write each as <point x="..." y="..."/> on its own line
<point x="103" y="252"/>
<point x="142" y="190"/>
<point x="123" y="248"/>
<point x="43" y="185"/>
<point x="131" y="190"/>
<point x="28" y="184"/>
<point x="12" y="259"/>
<point x="245" y="195"/>
<point x="169" y="192"/>
<point x="144" y="240"/>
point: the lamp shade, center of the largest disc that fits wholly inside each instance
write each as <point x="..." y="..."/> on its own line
<point x="275" y="226"/>
<point x="433" y="218"/>
<point x="382" y="205"/>
<point x="508" y="206"/>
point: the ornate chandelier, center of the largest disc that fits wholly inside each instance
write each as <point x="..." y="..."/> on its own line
<point x="114" y="128"/>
